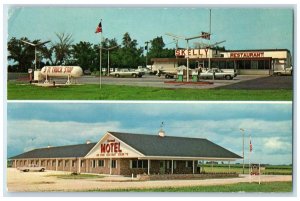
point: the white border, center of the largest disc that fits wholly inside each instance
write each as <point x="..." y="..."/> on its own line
<point x="217" y="3"/>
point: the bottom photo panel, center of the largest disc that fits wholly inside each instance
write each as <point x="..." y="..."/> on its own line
<point x="204" y="147"/>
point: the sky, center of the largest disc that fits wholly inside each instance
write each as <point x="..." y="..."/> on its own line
<point x="241" y="27"/>
<point x="36" y="125"/>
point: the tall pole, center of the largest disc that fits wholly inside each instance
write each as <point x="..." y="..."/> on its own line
<point x="100" y="66"/>
<point x="249" y="158"/>
<point x="209" y="36"/>
<point x="243" y="149"/>
<point x="209" y="21"/>
<point x="34" y="58"/>
<point x="108" y="70"/>
<point x="147" y="52"/>
<point x="187" y="60"/>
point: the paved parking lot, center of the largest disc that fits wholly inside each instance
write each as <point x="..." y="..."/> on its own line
<point x="155" y="81"/>
<point x="41" y="181"/>
<point x="239" y="82"/>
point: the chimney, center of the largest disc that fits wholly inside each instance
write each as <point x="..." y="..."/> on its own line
<point x="88" y="142"/>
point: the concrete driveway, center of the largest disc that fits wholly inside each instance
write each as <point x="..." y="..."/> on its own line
<point x="41" y="182"/>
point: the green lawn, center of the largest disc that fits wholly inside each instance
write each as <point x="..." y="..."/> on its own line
<point x="270" y="169"/>
<point x="114" y="92"/>
<point x="240" y="187"/>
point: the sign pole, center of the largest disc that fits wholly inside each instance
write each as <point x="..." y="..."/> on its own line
<point x="187" y="60"/>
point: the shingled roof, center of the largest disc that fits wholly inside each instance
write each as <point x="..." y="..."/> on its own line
<point x="70" y="151"/>
<point x="154" y="145"/>
<point x="148" y="145"/>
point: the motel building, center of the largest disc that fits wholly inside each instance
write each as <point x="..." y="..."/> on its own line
<point x="245" y="62"/>
<point x="129" y="154"/>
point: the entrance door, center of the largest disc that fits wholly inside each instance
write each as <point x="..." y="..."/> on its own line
<point x="162" y="167"/>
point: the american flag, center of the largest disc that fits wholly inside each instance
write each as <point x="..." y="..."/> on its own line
<point x="99" y="28"/>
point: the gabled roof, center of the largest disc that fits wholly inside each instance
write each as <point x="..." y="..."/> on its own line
<point x="148" y="145"/>
<point x="71" y="151"/>
<point x="154" y="145"/>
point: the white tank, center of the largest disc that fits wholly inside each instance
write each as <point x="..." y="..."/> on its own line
<point x="62" y="71"/>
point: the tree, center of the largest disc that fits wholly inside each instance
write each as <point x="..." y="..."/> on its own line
<point x="62" y="48"/>
<point x="83" y="55"/>
<point x="129" y="55"/>
<point x="21" y="53"/>
<point x="157" y="49"/>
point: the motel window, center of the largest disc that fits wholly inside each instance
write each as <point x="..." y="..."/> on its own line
<point x="261" y="64"/>
<point x="101" y="163"/>
<point x="175" y="164"/>
<point x="254" y="64"/>
<point x="113" y="163"/>
<point x="54" y="163"/>
<point x="205" y="64"/>
<point x="66" y="163"/>
<point x="222" y="64"/>
<point x="189" y="164"/>
<point x="81" y="163"/>
<point x="168" y="165"/>
<point x="240" y="64"/>
<point x="73" y="163"/>
<point x="59" y="163"/>
<point x="93" y="163"/>
<point x="214" y="64"/>
<point x="139" y="164"/>
<point x="230" y="65"/>
<point x="267" y="64"/>
<point x="247" y="64"/>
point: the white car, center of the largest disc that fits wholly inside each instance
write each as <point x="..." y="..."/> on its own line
<point x="127" y="73"/>
<point x="32" y="167"/>
<point x="218" y="74"/>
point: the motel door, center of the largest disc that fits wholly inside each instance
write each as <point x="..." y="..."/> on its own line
<point x="162" y="167"/>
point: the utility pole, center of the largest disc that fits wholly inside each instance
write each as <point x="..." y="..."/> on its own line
<point x="146" y="47"/>
<point x="108" y="50"/>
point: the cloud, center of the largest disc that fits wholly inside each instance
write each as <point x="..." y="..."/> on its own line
<point x="26" y="135"/>
<point x="276" y="144"/>
<point x="267" y="135"/>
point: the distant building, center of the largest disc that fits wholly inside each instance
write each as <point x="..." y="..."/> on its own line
<point x="126" y="153"/>
<point x="251" y="62"/>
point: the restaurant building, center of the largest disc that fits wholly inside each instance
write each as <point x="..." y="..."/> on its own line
<point x="245" y="62"/>
<point x="126" y="154"/>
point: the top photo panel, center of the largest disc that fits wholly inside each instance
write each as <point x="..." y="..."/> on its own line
<point x="149" y="53"/>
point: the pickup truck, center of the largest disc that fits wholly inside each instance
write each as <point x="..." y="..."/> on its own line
<point x="32" y="167"/>
<point x="218" y="74"/>
<point x="127" y="73"/>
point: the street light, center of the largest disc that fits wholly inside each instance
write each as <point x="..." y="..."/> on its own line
<point x="187" y="48"/>
<point x="243" y="132"/>
<point x="108" y="49"/>
<point x="35" y="46"/>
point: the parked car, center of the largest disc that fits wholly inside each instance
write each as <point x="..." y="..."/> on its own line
<point x="127" y="73"/>
<point x="32" y="167"/>
<point x="218" y="74"/>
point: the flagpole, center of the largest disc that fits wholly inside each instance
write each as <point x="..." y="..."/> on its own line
<point x="100" y="66"/>
<point x="100" y="51"/>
